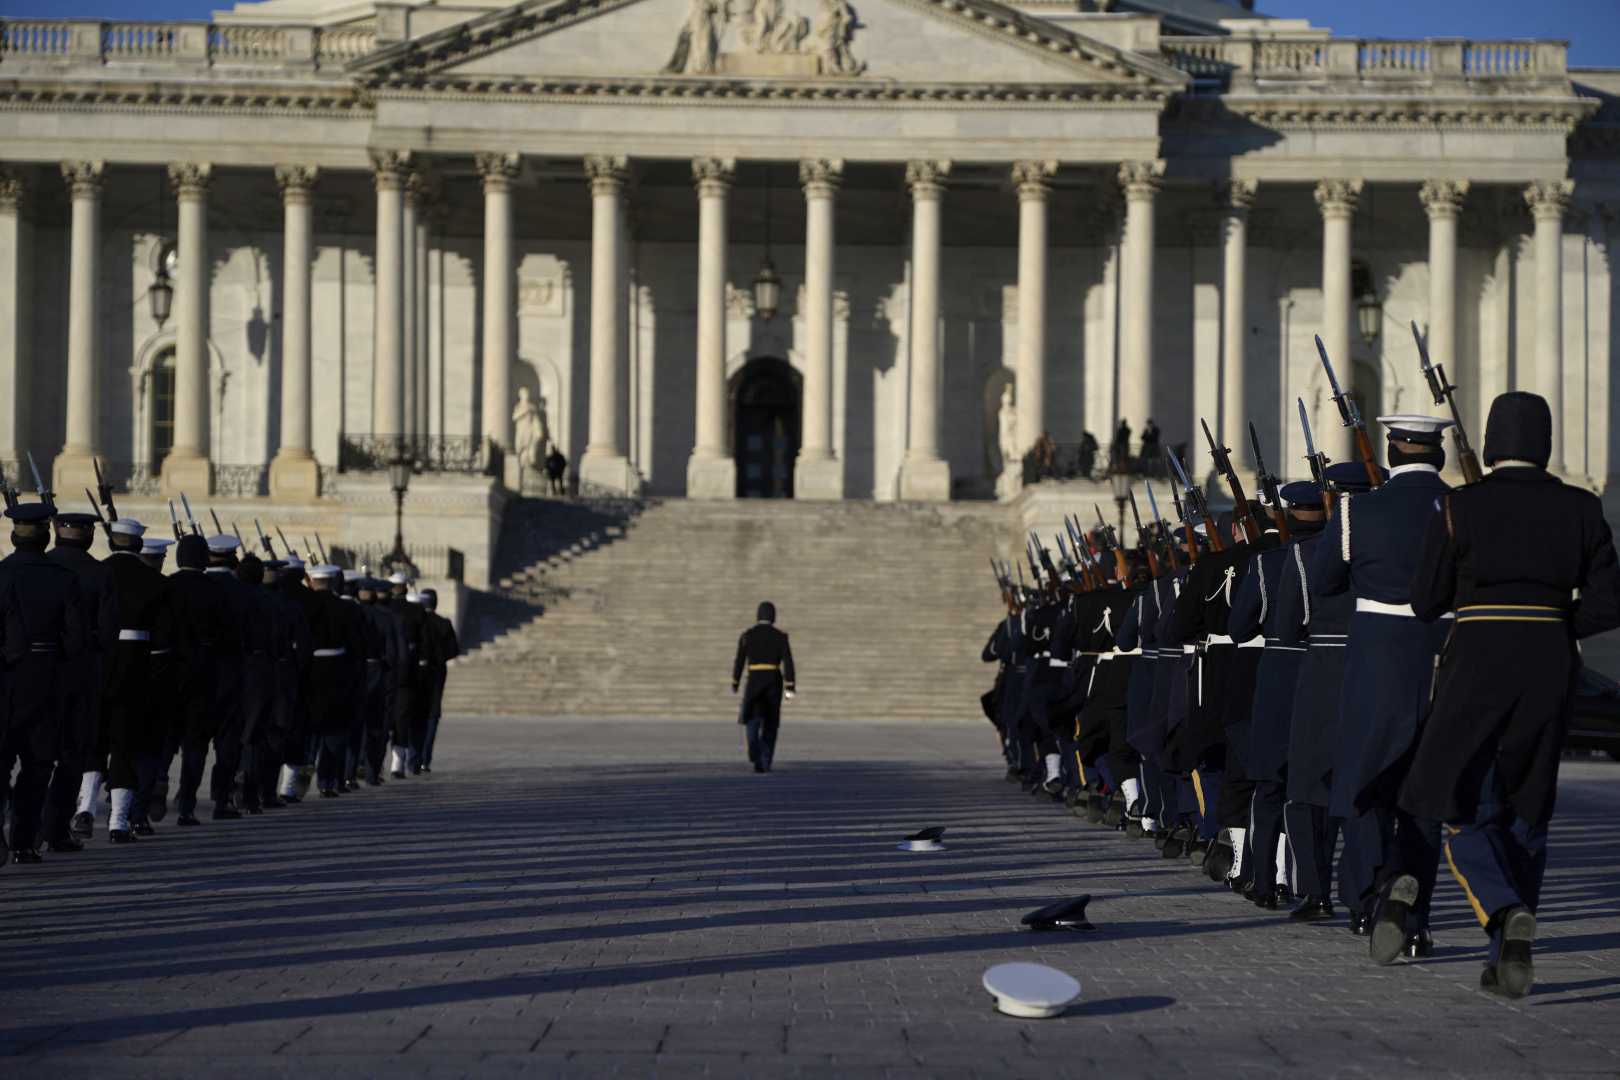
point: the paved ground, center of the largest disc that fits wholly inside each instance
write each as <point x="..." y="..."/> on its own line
<point x="550" y="903"/>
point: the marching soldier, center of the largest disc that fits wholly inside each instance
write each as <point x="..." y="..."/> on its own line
<point x="764" y="654"/>
<point x="1528" y="565"/>
<point x="447" y="646"/>
<point x="194" y="625"/>
<point x="380" y="634"/>
<point x="257" y="697"/>
<point x="336" y="668"/>
<point x="44" y="638"/>
<point x="1370" y="549"/>
<point x="242" y="631"/>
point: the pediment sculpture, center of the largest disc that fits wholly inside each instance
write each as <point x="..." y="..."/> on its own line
<point x="769" y="40"/>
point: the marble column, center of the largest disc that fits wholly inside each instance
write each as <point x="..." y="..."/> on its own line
<point x="187" y="467"/>
<point x="1548" y="201"/>
<point x="818" y="474"/>
<point x="1033" y="180"/>
<point x="711" y="471"/>
<point x="389" y="169"/>
<point x="500" y="172"/>
<point x="1337" y="201"/>
<point x="1140" y="181"/>
<point x="411" y="195"/>
<point x="16" y="312"/>
<point x="1237" y="198"/>
<point x="924" y="475"/>
<point x="604" y="464"/>
<point x="1442" y="201"/>
<point x="294" y="474"/>
<point x="425" y="210"/>
<point x="74" y="464"/>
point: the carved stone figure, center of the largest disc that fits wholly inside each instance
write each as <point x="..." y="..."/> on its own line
<point x="767" y="29"/>
<point x="835" y="26"/>
<point x="697" y="50"/>
<point x="530" y="435"/>
<point x="1007" y="430"/>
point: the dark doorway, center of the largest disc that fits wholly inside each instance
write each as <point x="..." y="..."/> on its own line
<point x="767" y="430"/>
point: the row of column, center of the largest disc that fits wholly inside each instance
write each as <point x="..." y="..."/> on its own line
<point x="400" y="370"/>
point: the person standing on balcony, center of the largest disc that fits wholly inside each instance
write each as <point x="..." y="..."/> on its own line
<point x="764" y="656"/>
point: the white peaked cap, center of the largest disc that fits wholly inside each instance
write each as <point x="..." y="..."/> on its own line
<point x="128" y="527"/>
<point x="413" y="598"/>
<point x="325" y="570"/>
<point x="223" y="544"/>
<point x="156" y="546"/>
<point x="352" y="575"/>
<point x="1414" y="427"/>
<point x="398" y="578"/>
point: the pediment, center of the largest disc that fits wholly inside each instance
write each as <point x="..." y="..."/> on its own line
<point x="874" y="43"/>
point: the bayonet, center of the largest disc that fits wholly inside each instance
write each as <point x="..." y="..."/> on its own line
<point x="239" y="540"/>
<point x="191" y="519"/>
<point x="1317" y="460"/>
<point x="219" y="530"/>
<point x="6" y="490"/>
<point x="1160" y="525"/>
<point x="45" y="494"/>
<point x="1196" y="505"/>
<point x="1268" y="486"/>
<point x="322" y="549"/>
<point x="288" y="548"/>
<point x="1240" y="502"/>
<point x="1350" y="413"/>
<point x="96" y="510"/>
<point x="104" y="489"/>
<point x="264" y="541"/>
<point x="1444" y="393"/>
<point x="174" y="521"/>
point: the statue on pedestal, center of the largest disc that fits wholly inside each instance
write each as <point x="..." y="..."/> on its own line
<point x="1011" y="478"/>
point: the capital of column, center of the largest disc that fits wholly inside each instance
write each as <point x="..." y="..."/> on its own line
<point x="1548" y="199"/>
<point x="607" y="173"/>
<point x="1033" y="179"/>
<point x="297" y="182"/>
<point x="389" y="168"/>
<point x="1141" y="179"/>
<point x="191" y="179"/>
<point x="821" y="177"/>
<point x="713" y="176"/>
<point x="1237" y="196"/>
<point x="1443" y="198"/>
<point x="13" y="191"/>
<point x="926" y="179"/>
<point x="498" y="171"/>
<point x="1338" y="198"/>
<point x="421" y="187"/>
<point x="83" y="177"/>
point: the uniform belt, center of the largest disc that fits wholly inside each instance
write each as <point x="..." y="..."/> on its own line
<point x="1219" y="639"/>
<point x="1105" y="656"/>
<point x="1129" y="652"/>
<point x="1256" y="642"/>
<point x="134" y="635"/>
<point x="1054" y="662"/>
<point x="1378" y="607"/>
<point x="1330" y="641"/>
<point x="1188" y="650"/>
<point x="44" y="647"/>
<point x="328" y="654"/>
<point x="1511" y="613"/>
<point x="764" y="667"/>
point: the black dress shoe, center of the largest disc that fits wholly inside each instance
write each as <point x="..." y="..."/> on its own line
<point x="26" y="856"/>
<point x="143" y="828"/>
<point x="1161" y="837"/>
<point x="1114" y="815"/>
<point x="1072" y="800"/>
<point x="325" y="794"/>
<point x="84" y="826"/>
<point x="1198" y="852"/>
<point x="121" y="836"/>
<point x="1388" y="932"/>
<point x="1218" y="862"/>
<point x="1284" y="895"/>
<point x="1514" y="970"/>
<point x="398" y="774"/>
<point x="226" y="813"/>
<point x="1358" y="923"/>
<point x="1419" y="946"/>
<point x="254" y="810"/>
<point x="1011" y="777"/>
<point x="426" y="769"/>
<point x="188" y="820"/>
<point x="1133" y="829"/>
<point x="1176" y="846"/>
<point x="1096" y="809"/>
<point x="1263" y="898"/>
<point x="157" y="806"/>
<point x="1488" y="981"/>
<point x="1311" y="909"/>
<point x="63" y="844"/>
<point x="758" y="767"/>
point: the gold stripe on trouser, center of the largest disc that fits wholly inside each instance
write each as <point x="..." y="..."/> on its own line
<point x="1473" y="901"/>
<point x="763" y="667"/>
<point x="1078" y="764"/>
<point x="1198" y="789"/>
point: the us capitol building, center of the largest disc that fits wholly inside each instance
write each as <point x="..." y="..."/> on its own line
<point x="826" y="249"/>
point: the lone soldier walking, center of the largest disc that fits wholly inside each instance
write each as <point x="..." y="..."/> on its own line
<point x="1528" y="565"/>
<point x="764" y="654"/>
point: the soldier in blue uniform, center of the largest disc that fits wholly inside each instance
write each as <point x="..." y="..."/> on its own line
<point x="1528" y="565"/>
<point x="1370" y="549"/>
<point x="1138" y="635"/>
<point x="1255" y="612"/>
<point x="766" y="658"/>
<point x="242" y="633"/>
<point x="1322" y="625"/>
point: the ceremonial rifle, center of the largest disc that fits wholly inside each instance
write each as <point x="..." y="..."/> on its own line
<point x="264" y="541"/>
<point x="104" y="490"/>
<point x="322" y="549"/>
<point x="191" y="519"/>
<point x="309" y="550"/>
<point x="174" y="521"/>
<point x="285" y="546"/>
<point x="46" y="495"/>
<point x="219" y="530"/>
<point x="1111" y="542"/>
<point x="1080" y="553"/>
<point x="1445" y="394"/>
<point x="1159" y="523"/>
<point x="1196" y="505"/>
<point x="6" y="490"/>
<point x="1222" y="456"/>
<point x="1350" y="414"/>
<point x="1268" y="486"/>
<point x="1317" y="460"/>
<point x="1142" y="539"/>
<point x="1046" y="562"/>
<point x="96" y="510"/>
<point x="239" y="540"/>
<point x="1181" y="517"/>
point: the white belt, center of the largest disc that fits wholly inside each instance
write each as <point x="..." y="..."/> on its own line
<point x="1256" y="642"/>
<point x="1219" y="639"/>
<point x="1188" y="650"/>
<point x="1129" y="652"/>
<point x="1106" y="656"/>
<point x="134" y="635"/>
<point x="325" y="654"/>
<point x="1057" y="663"/>
<point x="1329" y="641"/>
<point x="1375" y="607"/>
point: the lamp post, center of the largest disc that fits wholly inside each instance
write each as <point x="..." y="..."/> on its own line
<point x="399" y="478"/>
<point x="1119" y="478"/>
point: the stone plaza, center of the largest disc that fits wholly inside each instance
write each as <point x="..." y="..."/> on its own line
<point x="551" y="904"/>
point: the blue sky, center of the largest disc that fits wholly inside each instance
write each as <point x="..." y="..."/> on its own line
<point x="1592" y="27"/>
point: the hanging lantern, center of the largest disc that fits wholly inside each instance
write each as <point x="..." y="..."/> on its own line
<point x="161" y="296"/>
<point x="767" y="289"/>
<point x="1369" y="316"/>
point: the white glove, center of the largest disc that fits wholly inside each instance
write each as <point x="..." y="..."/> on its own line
<point x="789" y="695"/>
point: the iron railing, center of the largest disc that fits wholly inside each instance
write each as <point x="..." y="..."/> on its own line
<point x="465" y="454"/>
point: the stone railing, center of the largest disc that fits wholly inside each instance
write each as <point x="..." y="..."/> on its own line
<point x="69" y="42"/>
<point x="1265" y="63"/>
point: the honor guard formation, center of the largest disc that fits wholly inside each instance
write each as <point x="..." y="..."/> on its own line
<point x="1368" y="663"/>
<point x="113" y="669"/>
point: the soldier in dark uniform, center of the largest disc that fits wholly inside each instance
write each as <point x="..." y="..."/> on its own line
<point x="380" y="629"/>
<point x="84" y="739"/>
<point x="447" y="646"/>
<point x="1528" y="565"/>
<point x="193" y="624"/>
<point x="337" y="667"/>
<point x="409" y="709"/>
<point x="258" y="692"/>
<point x="289" y="638"/>
<point x="1177" y="659"/>
<point x="243" y="631"/>
<point x="763" y="654"/>
<point x="1002" y="650"/>
<point x="1255" y="613"/>
<point x="154" y="549"/>
<point x="133" y="724"/>
<point x="1370" y="548"/>
<point x="1144" y="729"/>
<point x="298" y="751"/>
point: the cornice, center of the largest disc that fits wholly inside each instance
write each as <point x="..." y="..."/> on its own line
<point x="1411" y="113"/>
<point x="157" y="97"/>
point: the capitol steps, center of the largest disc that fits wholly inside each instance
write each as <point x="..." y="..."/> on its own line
<point x="616" y="610"/>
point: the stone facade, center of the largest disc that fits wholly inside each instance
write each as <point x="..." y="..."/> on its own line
<point x="407" y="213"/>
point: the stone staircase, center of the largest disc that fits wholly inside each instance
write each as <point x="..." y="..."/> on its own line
<point x="624" y="609"/>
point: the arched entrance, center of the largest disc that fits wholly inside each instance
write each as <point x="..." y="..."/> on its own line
<point x="766" y="425"/>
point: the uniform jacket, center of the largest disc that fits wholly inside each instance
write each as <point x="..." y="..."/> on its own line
<point x="763" y="653"/>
